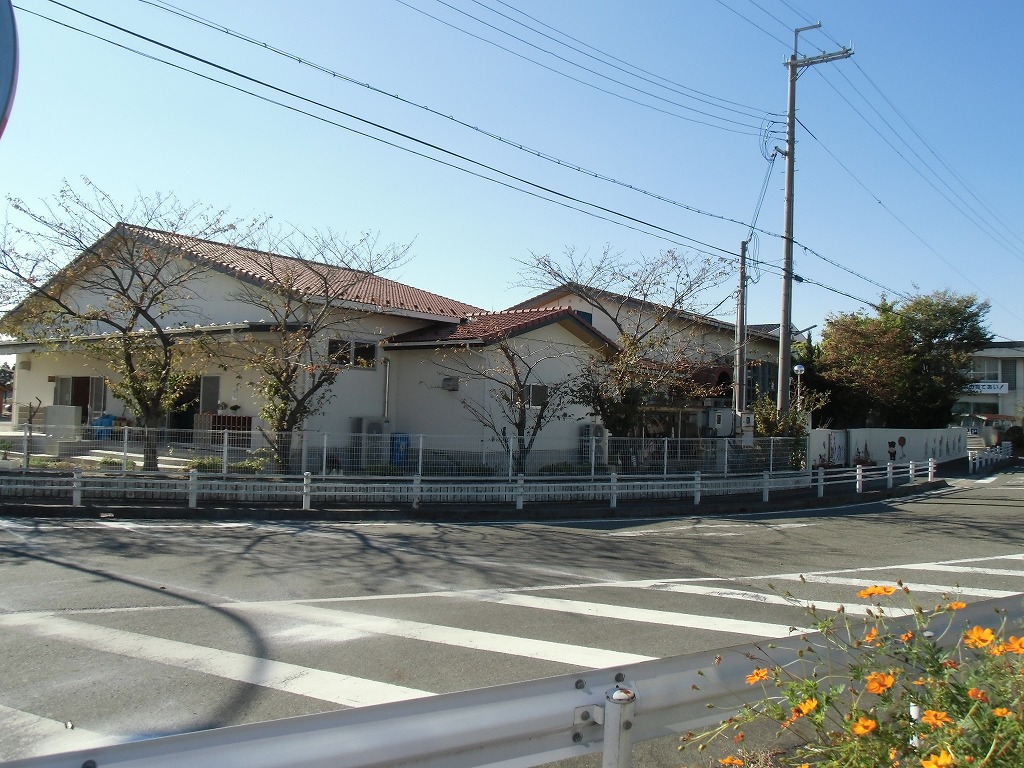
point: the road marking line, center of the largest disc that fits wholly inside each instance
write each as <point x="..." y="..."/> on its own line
<point x="37" y="736"/>
<point x="772" y="599"/>
<point x="963" y="569"/>
<point x="986" y="480"/>
<point x="576" y="655"/>
<point x="291" y="678"/>
<point x="642" y="615"/>
<point x="851" y="582"/>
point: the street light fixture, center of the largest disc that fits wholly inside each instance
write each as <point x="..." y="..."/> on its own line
<point x="799" y="371"/>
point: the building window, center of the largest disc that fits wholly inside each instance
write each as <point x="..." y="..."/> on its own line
<point x="985" y="369"/>
<point x="588" y="316"/>
<point x="1009" y="374"/>
<point x="352" y="354"/>
<point x="535" y="395"/>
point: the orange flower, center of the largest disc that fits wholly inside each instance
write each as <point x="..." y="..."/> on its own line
<point x="979" y="637"/>
<point x="757" y="676"/>
<point x="730" y="760"/>
<point x="1001" y="712"/>
<point x="879" y="682"/>
<point x="978" y="695"/>
<point x="956" y="605"/>
<point x="936" y="719"/>
<point x="1015" y="645"/>
<point x="808" y="706"/>
<point x="876" y="590"/>
<point x="941" y="760"/>
<point x="864" y="726"/>
<point x="906" y="637"/>
<point x="951" y="664"/>
<point x="871" y="635"/>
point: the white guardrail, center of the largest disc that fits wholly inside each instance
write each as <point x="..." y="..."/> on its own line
<point x="979" y="460"/>
<point x="311" y="492"/>
<point x="512" y="726"/>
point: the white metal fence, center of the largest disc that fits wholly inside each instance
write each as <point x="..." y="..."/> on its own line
<point x="512" y="726"/>
<point x="230" y="452"/>
<point x="308" y="492"/>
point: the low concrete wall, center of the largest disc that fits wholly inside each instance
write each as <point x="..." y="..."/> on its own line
<point x="846" y="448"/>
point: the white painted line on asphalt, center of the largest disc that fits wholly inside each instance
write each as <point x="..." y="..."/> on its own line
<point x="773" y="599"/>
<point x="281" y="676"/>
<point x="815" y="578"/>
<point x="710" y="530"/>
<point x="642" y="615"/>
<point x="37" y="736"/>
<point x="962" y="569"/>
<point x="576" y="655"/>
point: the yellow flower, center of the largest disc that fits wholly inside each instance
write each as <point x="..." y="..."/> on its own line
<point x="876" y="590"/>
<point x="864" y="726"/>
<point x="730" y="760"/>
<point x="941" y="760"/>
<point x="806" y="707"/>
<point x="757" y="676"/>
<point x="879" y="682"/>
<point x="979" y="637"/>
<point x="1001" y="712"/>
<point x="956" y="605"/>
<point x="935" y="718"/>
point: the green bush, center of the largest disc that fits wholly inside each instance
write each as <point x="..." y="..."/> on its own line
<point x="1015" y="436"/>
<point x="205" y="464"/>
<point x="246" y="467"/>
<point x="113" y="462"/>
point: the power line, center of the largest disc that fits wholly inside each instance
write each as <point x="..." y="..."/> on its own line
<point x="584" y="82"/>
<point x="566" y="201"/>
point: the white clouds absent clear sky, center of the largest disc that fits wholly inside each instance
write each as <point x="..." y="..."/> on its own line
<point x="908" y="158"/>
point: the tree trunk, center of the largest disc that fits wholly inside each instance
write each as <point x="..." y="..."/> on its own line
<point x="149" y="446"/>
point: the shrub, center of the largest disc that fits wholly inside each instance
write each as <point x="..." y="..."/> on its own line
<point x="246" y="467"/>
<point x="44" y="462"/>
<point x="205" y="464"/>
<point x="936" y="695"/>
<point x="1015" y="435"/>
<point x="113" y="462"/>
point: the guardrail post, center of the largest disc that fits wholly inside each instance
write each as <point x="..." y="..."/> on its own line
<point x="972" y="458"/>
<point x="419" y="456"/>
<point x="821" y="482"/>
<point x="912" y="471"/>
<point x="620" y="705"/>
<point x="725" y="462"/>
<point x="416" y="482"/>
<point x="307" y="487"/>
<point x="888" y="474"/>
<point x="696" y="488"/>
<point x="76" y="487"/>
<point x="614" y="500"/>
<point x="323" y="464"/>
<point x="520" y="483"/>
<point x="664" y="459"/>
<point x="25" y="445"/>
<point x="124" y="451"/>
<point x="766" y="478"/>
<point x="593" y="457"/>
<point x="193" y="488"/>
<point x="860" y="478"/>
<point x="771" y="454"/>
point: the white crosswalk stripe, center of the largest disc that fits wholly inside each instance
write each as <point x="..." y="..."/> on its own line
<point x="706" y="604"/>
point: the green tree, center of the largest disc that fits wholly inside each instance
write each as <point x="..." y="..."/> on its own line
<point x="907" y="365"/>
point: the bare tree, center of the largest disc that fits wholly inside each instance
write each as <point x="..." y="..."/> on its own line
<point x="522" y="392"/>
<point x="316" y="292"/>
<point x="652" y="304"/>
<point x="80" y="277"/>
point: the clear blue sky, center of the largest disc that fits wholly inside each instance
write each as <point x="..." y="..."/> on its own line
<point x="909" y="164"/>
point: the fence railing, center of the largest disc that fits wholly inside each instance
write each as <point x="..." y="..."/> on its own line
<point x="514" y="726"/>
<point x="247" y="452"/>
<point x="308" y="492"/>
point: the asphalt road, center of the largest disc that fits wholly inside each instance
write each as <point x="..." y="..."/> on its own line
<point x="127" y="630"/>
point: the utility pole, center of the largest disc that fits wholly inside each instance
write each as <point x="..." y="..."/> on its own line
<point x="795" y="65"/>
<point x="739" y="367"/>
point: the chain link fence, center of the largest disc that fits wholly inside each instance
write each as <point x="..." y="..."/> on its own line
<point x="227" y="452"/>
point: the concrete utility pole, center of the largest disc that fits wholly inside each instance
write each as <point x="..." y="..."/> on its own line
<point x="739" y="367"/>
<point x="785" y="336"/>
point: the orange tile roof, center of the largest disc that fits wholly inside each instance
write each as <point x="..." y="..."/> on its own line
<point x="308" y="277"/>
<point x="489" y="327"/>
